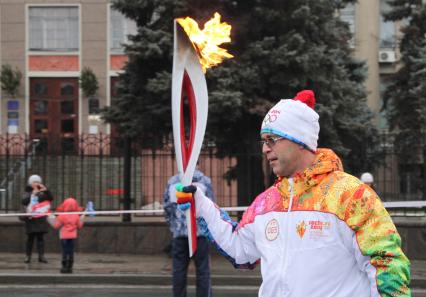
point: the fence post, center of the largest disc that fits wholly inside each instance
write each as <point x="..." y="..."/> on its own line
<point x="101" y="155"/>
<point x="7" y="173"/>
<point x="424" y="168"/>
<point x="127" y="178"/>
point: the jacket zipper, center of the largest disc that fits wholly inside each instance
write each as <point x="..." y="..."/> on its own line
<point x="287" y="228"/>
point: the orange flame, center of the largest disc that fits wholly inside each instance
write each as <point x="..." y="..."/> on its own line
<point x="207" y="41"/>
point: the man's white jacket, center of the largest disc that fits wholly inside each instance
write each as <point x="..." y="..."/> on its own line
<point x="322" y="233"/>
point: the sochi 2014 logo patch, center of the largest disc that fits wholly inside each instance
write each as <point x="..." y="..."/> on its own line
<point x="272" y="230"/>
<point x="315" y="229"/>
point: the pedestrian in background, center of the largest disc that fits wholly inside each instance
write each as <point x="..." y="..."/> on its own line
<point x="68" y="225"/>
<point x="176" y="219"/>
<point x="36" y="197"/>
<point x="368" y="179"/>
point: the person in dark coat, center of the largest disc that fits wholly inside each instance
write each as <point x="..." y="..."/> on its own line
<point x="35" y="226"/>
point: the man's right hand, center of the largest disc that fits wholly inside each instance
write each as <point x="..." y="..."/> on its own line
<point x="185" y="196"/>
<point x="190" y="194"/>
<point x="186" y="189"/>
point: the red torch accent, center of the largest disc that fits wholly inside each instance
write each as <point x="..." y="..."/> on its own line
<point x="187" y="145"/>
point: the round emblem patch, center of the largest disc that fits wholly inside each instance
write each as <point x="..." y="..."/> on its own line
<point x="272" y="230"/>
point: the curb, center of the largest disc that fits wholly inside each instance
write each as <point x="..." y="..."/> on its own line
<point x="120" y="279"/>
<point x="138" y="279"/>
<point x="419" y="283"/>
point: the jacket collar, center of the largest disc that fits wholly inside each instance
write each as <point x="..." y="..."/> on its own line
<point x="326" y="161"/>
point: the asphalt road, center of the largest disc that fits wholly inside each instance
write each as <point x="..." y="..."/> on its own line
<point x="127" y="291"/>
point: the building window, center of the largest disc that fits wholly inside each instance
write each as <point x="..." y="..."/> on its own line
<point x="387" y="29"/>
<point x="93" y="105"/>
<point x="67" y="89"/>
<point x="347" y="15"/>
<point x="67" y="126"/>
<point x="120" y="28"/>
<point x="53" y="28"/>
<point x="67" y="107"/>
<point x="383" y="120"/>
<point x="41" y="107"/>
<point x="40" y="89"/>
<point x="41" y="126"/>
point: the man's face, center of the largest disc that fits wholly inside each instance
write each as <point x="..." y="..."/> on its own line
<point x="282" y="154"/>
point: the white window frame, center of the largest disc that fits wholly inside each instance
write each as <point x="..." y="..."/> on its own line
<point x="127" y="31"/>
<point x="346" y="17"/>
<point x="47" y="51"/>
<point x="383" y="8"/>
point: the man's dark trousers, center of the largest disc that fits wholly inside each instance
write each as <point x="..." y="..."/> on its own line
<point x="180" y="267"/>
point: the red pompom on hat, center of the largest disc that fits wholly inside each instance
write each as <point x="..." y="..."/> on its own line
<point x="307" y="97"/>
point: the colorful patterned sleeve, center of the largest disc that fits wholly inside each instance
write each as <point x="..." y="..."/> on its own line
<point x="378" y="244"/>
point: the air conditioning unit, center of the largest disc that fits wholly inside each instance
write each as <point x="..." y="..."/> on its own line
<point x="387" y="56"/>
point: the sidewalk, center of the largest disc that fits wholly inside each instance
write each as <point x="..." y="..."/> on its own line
<point x="135" y="270"/>
<point x="115" y="269"/>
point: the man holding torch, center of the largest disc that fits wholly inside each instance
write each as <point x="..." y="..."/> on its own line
<point x="317" y="231"/>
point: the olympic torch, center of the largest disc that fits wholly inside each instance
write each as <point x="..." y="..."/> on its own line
<point x="194" y="51"/>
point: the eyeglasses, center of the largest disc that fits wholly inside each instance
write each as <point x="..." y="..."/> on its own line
<point x="270" y="141"/>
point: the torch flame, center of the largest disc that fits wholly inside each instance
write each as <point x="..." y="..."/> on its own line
<point x="207" y="41"/>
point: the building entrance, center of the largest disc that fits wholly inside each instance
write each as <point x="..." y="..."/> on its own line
<point x="54" y="113"/>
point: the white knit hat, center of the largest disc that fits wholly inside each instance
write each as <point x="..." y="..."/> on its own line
<point x="295" y="120"/>
<point x="34" y="179"/>
<point x="367" y="177"/>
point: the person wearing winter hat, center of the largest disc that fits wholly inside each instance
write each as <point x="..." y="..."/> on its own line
<point x="367" y="178"/>
<point x="34" y="179"/>
<point x="36" y="199"/>
<point x="317" y="231"/>
<point x="68" y="224"/>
